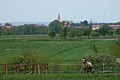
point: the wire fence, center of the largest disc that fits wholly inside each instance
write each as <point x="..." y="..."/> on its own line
<point x="67" y="69"/>
<point x="77" y="68"/>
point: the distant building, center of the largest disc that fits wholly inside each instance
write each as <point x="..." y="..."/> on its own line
<point x="79" y="27"/>
<point x="58" y="18"/>
<point x="115" y="26"/>
<point x="97" y="26"/>
<point x="8" y="27"/>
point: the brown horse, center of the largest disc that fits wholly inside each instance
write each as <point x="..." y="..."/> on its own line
<point x="87" y="66"/>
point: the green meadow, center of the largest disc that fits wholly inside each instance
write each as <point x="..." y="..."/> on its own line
<point x="65" y="51"/>
<point x="51" y="49"/>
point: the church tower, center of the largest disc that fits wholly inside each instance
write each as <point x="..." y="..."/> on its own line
<point x="58" y="17"/>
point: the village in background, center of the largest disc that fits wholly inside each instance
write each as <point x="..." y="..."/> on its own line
<point x="55" y="25"/>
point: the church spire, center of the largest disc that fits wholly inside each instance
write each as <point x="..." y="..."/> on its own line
<point x="58" y="17"/>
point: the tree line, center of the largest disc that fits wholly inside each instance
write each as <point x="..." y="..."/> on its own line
<point x="72" y="32"/>
<point x="26" y="29"/>
<point x="65" y="29"/>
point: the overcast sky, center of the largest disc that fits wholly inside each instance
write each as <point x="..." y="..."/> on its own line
<point x="47" y="10"/>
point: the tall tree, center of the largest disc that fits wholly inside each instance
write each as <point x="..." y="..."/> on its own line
<point x="55" y="26"/>
<point x="95" y="33"/>
<point x="84" y="23"/>
<point x="8" y="24"/>
<point x="64" y="28"/>
<point x="117" y="31"/>
<point x="105" y="29"/>
<point x="86" y="31"/>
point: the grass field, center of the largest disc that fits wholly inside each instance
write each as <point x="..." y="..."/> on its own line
<point x="51" y="49"/>
<point x="64" y="77"/>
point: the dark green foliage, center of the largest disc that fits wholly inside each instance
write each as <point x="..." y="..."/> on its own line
<point x="115" y="48"/>
<point x="84" y="23"/>
<point x="74" y="33"/>
<point x="110" y="32"/>
<point x="79" y="33"/>
<point x="52" y="34"/>
<point x="105" y="29"/>
<point x="15" y="59"/>
<point x="63" y="33"/>
<point x="8" y="24"/>
<point x="117" y="31"/>
<point x="99" y="59"/>
<point x="94" y="48"/>
<point x="25" y="30"/>
<point x="64" y="29"/>
<point x="86" y="31"/>
<point x="74" y="24"/>
<point x="55" y="26"/>
<point x="95" y="33"/>
<point x="25" y="57"/>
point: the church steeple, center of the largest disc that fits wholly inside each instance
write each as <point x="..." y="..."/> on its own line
<point x="58" y="17"/>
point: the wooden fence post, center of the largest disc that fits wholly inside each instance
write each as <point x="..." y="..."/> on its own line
<point x="6" y="69"/>
<point x="38" y="68"/>
<point x="15" y="71"/>
<point x="33" y="69"/>
<point x="25" y="67"/>
<point x="46" y="67"/>
<point x="35" y="66"/>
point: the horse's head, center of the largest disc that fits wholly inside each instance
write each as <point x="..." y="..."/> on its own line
<point x="84" y="60"/>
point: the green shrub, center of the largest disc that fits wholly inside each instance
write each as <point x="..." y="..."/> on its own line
<point x="95" y="34"/>
<point x="52" y="34"/>
<point x="100" y="58"/>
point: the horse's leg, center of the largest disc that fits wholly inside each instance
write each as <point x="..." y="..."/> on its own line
<point x="87" y="69"/>
<point x="91" y="69"/>
<point x="84" y="69"/>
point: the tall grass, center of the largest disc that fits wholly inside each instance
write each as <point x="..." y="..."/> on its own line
<point x="64" y="77"/>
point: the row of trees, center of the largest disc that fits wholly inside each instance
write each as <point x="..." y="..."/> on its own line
<point x="62" y="28"/>
<point x="57" y="27"/>
<point x="24" y="30"/>
<point x="104" y="30"/>
<point x="71" y="32"/>
<point x="85" y="23"/>
<point x="82" y="23"/>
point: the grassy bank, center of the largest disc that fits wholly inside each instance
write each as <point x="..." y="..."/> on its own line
<point x="64" y="77"/>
